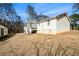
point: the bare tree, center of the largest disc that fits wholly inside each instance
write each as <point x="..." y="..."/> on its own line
<point x="7" y="12"/>
<point x="9" y="17"/>
<point x="31" y="13"/>
<point x="19" y="24"/>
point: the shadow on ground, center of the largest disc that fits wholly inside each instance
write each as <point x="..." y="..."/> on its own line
<point x="6" y="37"/>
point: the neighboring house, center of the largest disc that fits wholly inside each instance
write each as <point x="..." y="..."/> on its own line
<point x="3" y="31"/>
<point x="74" y="24"/>
<point x="57" y="24"/>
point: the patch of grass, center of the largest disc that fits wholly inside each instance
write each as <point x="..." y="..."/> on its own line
<point x="65" y="44"/>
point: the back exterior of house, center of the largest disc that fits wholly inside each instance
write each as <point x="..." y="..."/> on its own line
<point x="54" y="25"/>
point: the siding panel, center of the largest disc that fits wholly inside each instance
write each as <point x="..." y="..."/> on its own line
<point x="63" y="25"/>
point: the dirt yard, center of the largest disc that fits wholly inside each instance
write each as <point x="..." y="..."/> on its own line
<point x="65" y="44"/>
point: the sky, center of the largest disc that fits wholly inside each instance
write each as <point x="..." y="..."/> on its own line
<point x="49" y="9"/>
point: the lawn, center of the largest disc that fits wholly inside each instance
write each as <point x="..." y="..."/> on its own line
<point x="21" y="44"/>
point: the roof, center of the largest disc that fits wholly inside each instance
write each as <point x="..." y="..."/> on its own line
<point x="53" y="17"/>
<point x="2" y="26"/>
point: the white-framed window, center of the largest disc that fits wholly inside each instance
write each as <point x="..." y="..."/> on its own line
<point x="5" y="31"/>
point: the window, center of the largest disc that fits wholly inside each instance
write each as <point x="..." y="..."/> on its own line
<point x="5" y="31"/>
<point x="48" y="22"/>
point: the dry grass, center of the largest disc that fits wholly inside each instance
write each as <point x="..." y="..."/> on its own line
<point x="65" y="44"/>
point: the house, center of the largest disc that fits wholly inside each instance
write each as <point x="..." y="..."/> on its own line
<point x="3" y="31"/>
<point x="54" y="25"/>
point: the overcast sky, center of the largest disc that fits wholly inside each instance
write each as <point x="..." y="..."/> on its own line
<point x="49" y="9"/>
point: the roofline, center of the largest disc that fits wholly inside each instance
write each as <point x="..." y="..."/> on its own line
<point x="1" y="26"/>
<point x="55" y="17"/>
<point x="68" y="18"/>
<point x="4" y="28"/>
